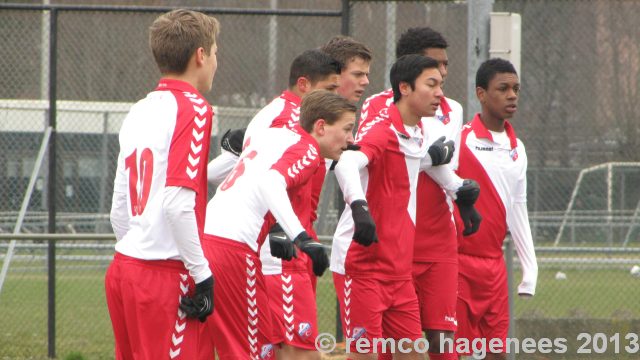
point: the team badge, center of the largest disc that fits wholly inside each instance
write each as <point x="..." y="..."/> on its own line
<point x="514" y="154"/>
<point x="266" y="352"/>
<point x="358" y="333"/>
<point x="443" y="118"/>
<point x="304" y="330"/>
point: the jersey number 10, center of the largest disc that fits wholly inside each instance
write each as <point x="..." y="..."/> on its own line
<point x="139" y="198"/>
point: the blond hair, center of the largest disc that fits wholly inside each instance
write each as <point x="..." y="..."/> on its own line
<point x="323" y="104"/>
<point x="176" y="35"/>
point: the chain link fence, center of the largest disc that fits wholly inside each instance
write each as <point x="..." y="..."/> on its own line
<point x="580" y="81"/>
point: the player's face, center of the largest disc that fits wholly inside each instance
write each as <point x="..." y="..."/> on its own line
<point x="337" y="136"/>
<point x="354" y="79"/>
<point x="425" y="97"/>
<point x="210" y="67"/>
<point x="501" y="97"/>
<point x="330" y="83"/>
<point x="439" y="55"/>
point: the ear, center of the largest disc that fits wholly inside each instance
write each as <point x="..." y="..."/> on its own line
<point x="319" y="127"/>
<point x="480" y="94"/>
<point x="405" y="88"/>
<point x="200" y="56"/>
<point x="303" y="84"/>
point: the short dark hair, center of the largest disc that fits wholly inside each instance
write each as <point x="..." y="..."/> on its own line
<point x="490" y="68"/>
<point x="418" y="39"/>
<point x="344" y="49"/>
<point x="323" y="104"/>
<point x="314" y="65"/>
<point x="407" y="69"/>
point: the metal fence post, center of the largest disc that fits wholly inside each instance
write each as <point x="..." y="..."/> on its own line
<point x="508" y="250"/>
<point x="51" y="250"/>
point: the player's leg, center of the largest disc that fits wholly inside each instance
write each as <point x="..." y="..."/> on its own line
<point x="116" y="311"/>
<point x="302" y="330"/>
<point x="241" y="321"/>
<point x="437" y="288"/>
<point x="150" y="294"/>
<point x="495" y="322"/>
<point x="401" y="321"/>
<point x="366" y="300"/>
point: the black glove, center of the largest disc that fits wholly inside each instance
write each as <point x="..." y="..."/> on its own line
<point x="365" y="228"/>
<point x="353" y="147"/>
<point x="232" y="141"/>
<point x="441" y="152"/>
<point x="466" y="196"/>
<point x="315" y="250"/>
<point x="280" y="244"/>
<point x="200" y="305"/>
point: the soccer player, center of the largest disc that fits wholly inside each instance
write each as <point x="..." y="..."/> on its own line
<point x="309" y="71"/>
<point x="435" y="256"/>
<point x="275" y="166"/>
<point x="290" y="284"/>
<point x="496" y="158"/>
<point x="159" y="199"/>
<point x="379" y="183"/>
<point x="355" y="59"/>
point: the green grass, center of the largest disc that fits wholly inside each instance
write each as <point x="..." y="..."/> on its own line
<point x="84" y="330"/>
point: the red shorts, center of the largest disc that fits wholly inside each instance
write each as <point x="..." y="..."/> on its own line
<point x="241" y="322"/>
<point x="369" y="307"/>
<point x="293" y="305"/>
<point x="436" y="284"/>
<point x="483" y="299"/>
<point x="143" y="298"/>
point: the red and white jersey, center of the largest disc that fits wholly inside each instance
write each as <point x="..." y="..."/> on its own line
<point x="395" y="153"/>
<point x="283" y="111"/>
<point x="239" y="210"/>
<point x="500" y="168"/>
<point x="164" y="141"/>
<point x="435" y="228"/>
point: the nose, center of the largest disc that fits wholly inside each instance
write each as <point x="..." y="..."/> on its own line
<point x="365" y="80"/>
<point x="439" y="92"/>
<point x="350" y="139"/>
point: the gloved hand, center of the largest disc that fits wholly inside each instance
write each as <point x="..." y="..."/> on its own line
<point x="441" y="152"/>
<point x="232" y="141"/>
<point x="365" y="229"/>
<point x="315" y="250"/>
<point x="466" y="196"/>
<point x="200" y="305"/>
<point x="353" y="147"/>
<point x="280" y="244"/>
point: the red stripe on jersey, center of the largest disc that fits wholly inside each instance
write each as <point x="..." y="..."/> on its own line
<point x="189" y="148"/>
<point x="487" y="242"/>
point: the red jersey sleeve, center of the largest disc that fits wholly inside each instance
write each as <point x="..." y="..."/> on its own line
<point x="298" y="163"/>
<point x="374" y="138"/>
<point x="189" y="148"/>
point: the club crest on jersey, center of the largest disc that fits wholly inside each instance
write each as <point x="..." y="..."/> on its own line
<point x="358" y="333"/>
<point x="266" y="352"/>
<point x="444" y="118"/>
<point x="514" y="154"/>
<point x="304" y="330"/>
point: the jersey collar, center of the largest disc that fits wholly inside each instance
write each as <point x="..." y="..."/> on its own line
<point x="481" y="131"/>
<point x="396" y="121"/>
<point x="288" y="95"/>
<point x="445" y="109"/>
<point x="173" y="84"/>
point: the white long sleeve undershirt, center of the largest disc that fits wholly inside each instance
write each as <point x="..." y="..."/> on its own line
<point x="348" y="175"/>
<point x="220" y="167"/>
<point x="518" y="222"/>
<point x="274" y="190"/>
<point x="178" y="208"/>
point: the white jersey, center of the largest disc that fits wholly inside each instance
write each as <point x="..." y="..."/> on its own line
<point x="164" y="141"/>
<point x="240" y="210"/>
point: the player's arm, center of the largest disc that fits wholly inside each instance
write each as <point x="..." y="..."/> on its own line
<point x="348" y="175"/>
<point x="464" y="192"/>
<point x="518" y="223"/>
<point x="274" y="190"/>
<point x="178" y="210"/>
<point x="221" y="166"/>
<point x="119" y="215"/>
